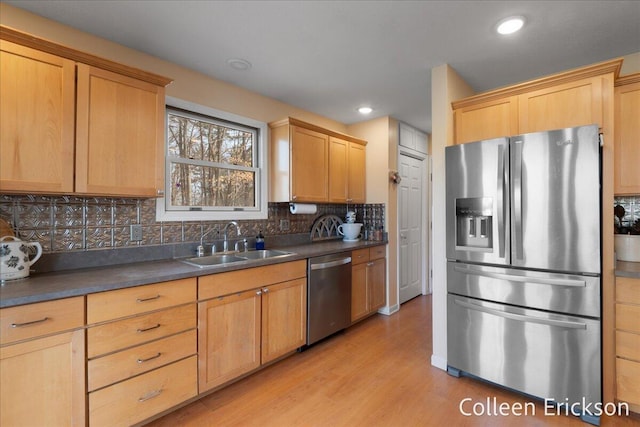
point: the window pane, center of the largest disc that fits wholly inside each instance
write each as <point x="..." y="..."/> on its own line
<point x="191" y="138"/>
<point x="209" y="186"/>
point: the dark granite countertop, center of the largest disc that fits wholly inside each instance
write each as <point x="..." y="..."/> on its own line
<point x="63" y="284"/>
<point x="628" y="269"/>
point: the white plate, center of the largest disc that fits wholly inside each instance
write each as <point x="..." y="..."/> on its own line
<point x="350" y="240"/>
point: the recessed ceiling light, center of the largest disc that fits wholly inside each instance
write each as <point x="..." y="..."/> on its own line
<point x="510" y="25"/>
<point x="239" y="64"/>
<point x="365" y="110"/>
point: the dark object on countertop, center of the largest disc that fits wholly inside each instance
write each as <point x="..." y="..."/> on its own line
<point x="259" y="241"/>
<point x="619" y="211"/>
<point x="635" y="228"/>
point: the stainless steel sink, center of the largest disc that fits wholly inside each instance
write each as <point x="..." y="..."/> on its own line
<point x="223" y="259"/>
<point x="207" y="261"/>
<point x="263" y="253"/>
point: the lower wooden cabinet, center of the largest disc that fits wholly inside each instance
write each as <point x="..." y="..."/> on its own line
<point x="144" y="396"/>
<point x="42" y="364"/>
<point x="284" y="318"/>
<point x="240" y="331"/>
<point x="141" y="352"/>
<point x="628" y="342"/>
<point x="368" y="282"/>
<point x="42" y="381"/>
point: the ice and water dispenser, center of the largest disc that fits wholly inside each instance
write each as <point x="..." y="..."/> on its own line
<point x="474" y="219"/>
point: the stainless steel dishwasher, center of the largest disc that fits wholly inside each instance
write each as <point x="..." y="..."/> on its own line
<point x="328" y="295"/>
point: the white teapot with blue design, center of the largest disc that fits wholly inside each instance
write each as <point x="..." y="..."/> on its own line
<point x="16" y="256"/>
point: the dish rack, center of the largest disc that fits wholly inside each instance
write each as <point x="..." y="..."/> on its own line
<point x="326" y="228"/>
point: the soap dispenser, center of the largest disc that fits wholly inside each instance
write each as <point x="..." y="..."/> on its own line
<point x="259" y="241"/>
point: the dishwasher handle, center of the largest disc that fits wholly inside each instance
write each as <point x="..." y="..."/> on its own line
<point x="329" y="264"/>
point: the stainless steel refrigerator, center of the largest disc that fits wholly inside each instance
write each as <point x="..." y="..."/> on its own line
<point x="524" y="264"/>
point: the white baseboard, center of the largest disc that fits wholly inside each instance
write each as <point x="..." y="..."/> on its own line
<point x="438" y="362"/>
<point x="388" y="310"/>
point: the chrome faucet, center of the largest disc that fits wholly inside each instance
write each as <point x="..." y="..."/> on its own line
<point x="225" y="244"/>
<point x="200" y="250"/>
<point x="244" y="245"/>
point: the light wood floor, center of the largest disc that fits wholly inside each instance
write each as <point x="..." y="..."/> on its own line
<point x="377" y="373"/>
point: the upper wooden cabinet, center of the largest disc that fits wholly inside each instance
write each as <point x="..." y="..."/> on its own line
<point x="37" y="110"/>
<point x="573" y="98"/>
<point x="413" y="138"/>
<point x="627" y="135"/>
<point x="486" y="120"/>
<point x="347" y="164"/>
<point x="73" y="123"/>
<point x="313" y="164"/>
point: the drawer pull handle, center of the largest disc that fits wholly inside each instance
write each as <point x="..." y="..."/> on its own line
<point x="150" y="395"/>
<point x="149" y="358"/>
<point x="156" y="326"/>
<point x="33" y="322"/>
<point x="148" y="299"/>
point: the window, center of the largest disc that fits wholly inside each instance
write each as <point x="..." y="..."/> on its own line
<point x="215" y="165"/>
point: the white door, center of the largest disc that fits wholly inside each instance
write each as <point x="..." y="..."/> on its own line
<point x="411" y="222"/>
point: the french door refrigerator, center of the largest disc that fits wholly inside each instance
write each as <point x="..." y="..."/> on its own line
<point x="523" y="264"/>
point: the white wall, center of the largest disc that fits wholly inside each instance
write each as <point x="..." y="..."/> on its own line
<point x="446" y="86"/>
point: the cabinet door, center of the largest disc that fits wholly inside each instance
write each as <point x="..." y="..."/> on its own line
<point x="338" y="170"/>
<point x="309" y="165"/>
<point x="407" y="136"/>
<point x="359" y="291"/>
<point x="376" y="280"/>
<point x="486" y="120"/>
<point x="42" y="382"/>
<point x="284" y="318"/>
<point x="567" y="105"/>
<point x="37" y="112"/>
<point x="422" y="142"/>
<point x="228" y="338"/>
<point x="627" y="139"/>
<point x="119" y="135"/>
<point x="357" y="177"/>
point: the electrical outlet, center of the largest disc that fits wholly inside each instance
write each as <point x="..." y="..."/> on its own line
<point x="136" y="232"/>
<point x="284" y="224"/>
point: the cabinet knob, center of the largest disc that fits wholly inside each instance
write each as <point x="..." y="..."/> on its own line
<point x="265" y="290"/>
<point x="160" y="193"/>
<point x="294" y="197"/>
<point x="258" y="292"/>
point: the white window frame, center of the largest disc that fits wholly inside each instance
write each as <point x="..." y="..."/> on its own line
<point x="222" y="214"/>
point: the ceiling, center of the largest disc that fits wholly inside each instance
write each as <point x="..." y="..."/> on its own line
<point x="330" y="57"/>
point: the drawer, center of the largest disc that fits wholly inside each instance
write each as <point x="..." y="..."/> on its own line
<point x="377" y="252"/>
<point x="140" y="299"/>
<point x="628" y="346"/>
<point x="44" y="318"/>
<point x="359" y="256"/>
<point x="144" y="396"/>
<point x="628" y="381"/>
<point x="114" y="336"/>
<point x="628" y="290"/>
<point x="119" y="366"/>
<point x="627" y="317"/>
<point x="215" y="285"/>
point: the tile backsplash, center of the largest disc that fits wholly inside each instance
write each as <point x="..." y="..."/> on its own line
<point x="67" y="223"/>
<point x="631" y="205"/>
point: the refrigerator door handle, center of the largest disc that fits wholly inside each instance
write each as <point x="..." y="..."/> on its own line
<point x="517" y="200"/>
<point x="525" y="279"/>
<point x="521" y="317"/>
<point x="501" y="201"/>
